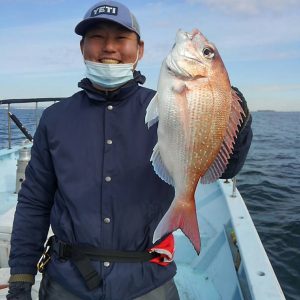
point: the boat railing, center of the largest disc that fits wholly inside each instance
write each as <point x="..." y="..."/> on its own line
<point x="234" y="186"/>
<point x="10" y="102"/>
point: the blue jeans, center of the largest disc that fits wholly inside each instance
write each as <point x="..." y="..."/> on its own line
<point x="51" y="290"/>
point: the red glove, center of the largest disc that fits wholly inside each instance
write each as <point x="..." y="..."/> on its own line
<point x="166" y="249"/>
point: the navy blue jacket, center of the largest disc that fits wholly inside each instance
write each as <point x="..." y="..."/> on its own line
<point x="90" y="178"/>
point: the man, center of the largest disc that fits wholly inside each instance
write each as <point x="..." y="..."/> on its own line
<point x="90" y="178"/>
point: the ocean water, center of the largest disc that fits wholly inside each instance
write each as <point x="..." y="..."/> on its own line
<point x="269" y="184"/>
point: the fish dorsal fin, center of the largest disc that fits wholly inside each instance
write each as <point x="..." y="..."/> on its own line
<point x="219" y="165"/>
<point x="159" y="167"/>
<point x="152" y="112"/>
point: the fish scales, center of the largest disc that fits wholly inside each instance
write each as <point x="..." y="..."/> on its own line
<point x="198" y="117"/>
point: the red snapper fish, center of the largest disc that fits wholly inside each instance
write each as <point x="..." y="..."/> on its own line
<point x="198" y="116"/>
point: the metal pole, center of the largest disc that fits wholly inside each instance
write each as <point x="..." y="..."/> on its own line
<point x="9" y="127"/>
<point x="233" y="187"/>
<point x="36" y="116"/>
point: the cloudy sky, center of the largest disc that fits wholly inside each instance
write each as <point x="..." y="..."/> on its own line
<point x="259" y="41"/>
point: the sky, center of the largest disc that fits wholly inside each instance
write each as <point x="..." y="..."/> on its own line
<point x="258" y="40"/>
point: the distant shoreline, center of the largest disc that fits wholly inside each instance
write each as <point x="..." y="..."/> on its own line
<point x="273" y="111"/>
<point x="265" y="110"/>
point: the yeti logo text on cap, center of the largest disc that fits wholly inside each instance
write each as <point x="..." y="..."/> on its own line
<point x="104" y="9"/>
<point x="108" y="11"/>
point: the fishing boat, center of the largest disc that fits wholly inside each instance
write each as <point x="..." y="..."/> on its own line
<point x="232" y="265"/>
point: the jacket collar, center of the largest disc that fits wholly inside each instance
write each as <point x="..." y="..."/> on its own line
<point x="117" y="95"/>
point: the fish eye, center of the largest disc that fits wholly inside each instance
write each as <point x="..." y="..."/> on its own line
<point x="208" y="52"/>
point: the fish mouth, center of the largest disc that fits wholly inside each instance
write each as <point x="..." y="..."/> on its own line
<point x="194" y="32"/>
<point x="189" y="56"/>
<point x="111" y="61"/>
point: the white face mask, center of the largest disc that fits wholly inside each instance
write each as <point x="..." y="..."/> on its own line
<point x="109" y="76"/>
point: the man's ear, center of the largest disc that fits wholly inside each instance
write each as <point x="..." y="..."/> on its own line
<point x="141" y="49"/>
<point x="81" y="45"/>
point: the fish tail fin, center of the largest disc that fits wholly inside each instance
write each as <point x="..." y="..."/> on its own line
<point x="180" y="215"/>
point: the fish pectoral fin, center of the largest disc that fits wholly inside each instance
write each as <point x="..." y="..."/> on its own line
<point x="182" y="215"/>
<point x="218" y="167"/>
<point x="179" y="87"/>
<point x="152" y="112"/>
<point x="181" y="98"/>
<point x="159" y="167"/>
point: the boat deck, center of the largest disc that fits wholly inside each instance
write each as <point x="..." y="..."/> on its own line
<point x="212" y="274"/>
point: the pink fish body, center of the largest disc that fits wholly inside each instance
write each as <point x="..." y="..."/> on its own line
<point x="198" y="116"/>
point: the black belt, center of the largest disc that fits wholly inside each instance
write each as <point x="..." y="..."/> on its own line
<point x="81" y="256"/>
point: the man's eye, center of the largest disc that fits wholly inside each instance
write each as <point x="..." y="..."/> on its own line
<point x="95" y="37"/>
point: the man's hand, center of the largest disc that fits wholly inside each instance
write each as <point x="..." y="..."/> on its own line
<point x="20" y="287"/>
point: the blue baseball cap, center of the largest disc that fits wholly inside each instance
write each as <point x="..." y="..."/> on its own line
<point x="108" y="11"/>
